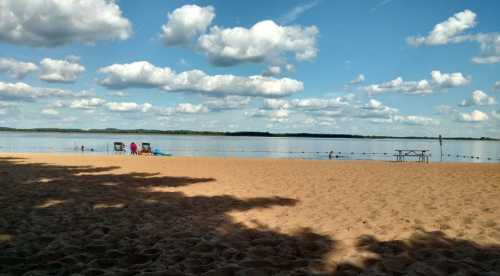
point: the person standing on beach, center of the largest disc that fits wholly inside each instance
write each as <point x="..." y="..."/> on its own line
<point x="133" y="148"/>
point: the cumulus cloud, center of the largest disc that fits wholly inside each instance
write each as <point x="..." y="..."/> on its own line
<point x="62" y="71"/>
<point x="478" y="97"/>
<point x="439" y="81"/>
<point x="128" y="107"/>
<point x="374" y="109"/>
<point x="447" y="30"/>
<point x="343" y="106"/>
<point x="275" y="104"/>
<point x="475" y="116"/>
<point x="265" y="40"/>
<point x="359" y="79"/>
<point x="280" y="115"/>
<point x="20" y="91"/>
<point x="186" y="23"/>
<point x="57" y="22"/>
<point x="16" y="69"/>
<point x="452" y="31"/>
<point x="346" y="107"/>
<point x="189" y="108"/>
<point x="91" y="103"/>
<point x="142" y="74"/>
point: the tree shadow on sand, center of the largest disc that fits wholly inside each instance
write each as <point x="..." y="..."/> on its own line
<point x="60" y="220"/>
<point x="424" y="253"/>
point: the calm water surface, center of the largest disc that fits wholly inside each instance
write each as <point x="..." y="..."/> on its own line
<point x="276" y="147"/>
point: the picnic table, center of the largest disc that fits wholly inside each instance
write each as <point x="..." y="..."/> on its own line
<point x="422" y="155"/>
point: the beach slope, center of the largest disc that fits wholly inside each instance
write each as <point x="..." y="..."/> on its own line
<point x="112" y="215"/>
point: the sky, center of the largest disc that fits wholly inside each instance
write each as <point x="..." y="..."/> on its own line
<point x="360" y="67"/>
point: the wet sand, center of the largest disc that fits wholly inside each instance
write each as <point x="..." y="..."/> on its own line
<point x="124" y="215"/>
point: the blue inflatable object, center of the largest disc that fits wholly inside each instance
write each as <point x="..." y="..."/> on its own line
<point x="157" y="152"/>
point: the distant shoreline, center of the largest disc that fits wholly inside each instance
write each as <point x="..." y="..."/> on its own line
<point x="234" y="134"/>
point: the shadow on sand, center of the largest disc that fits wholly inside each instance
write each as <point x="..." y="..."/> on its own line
<point x="61" y="220"/>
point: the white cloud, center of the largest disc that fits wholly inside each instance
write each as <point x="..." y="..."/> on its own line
<point x="57" y="104"/>
<point x="279" y="115"/>
<point x="415" y="120"/>
<point x="399" y="85"/>
<point x="373" y="109"/>
<point x="50" y="112"/>
<point x="444" y="80"/>
<point x="190" y="108"/>
<point x="439" y="81"/>
<point x="119" y="94"/>
<point x="496" y="114"/>
<point x="373" y="104"/>
<point x="272" y="71"/>
<point x="315" y="103"/>
<point x="128" y="107"/>
<point x="308" y="103"/>
<point x="473" y="117"/>
<point x="58" y="22"/>
<point x="447" y="31"/>
<point x="452" y="31"/>
<point x="227" y="103"/>
<point x="490" y="48"/>
<point x="496" y="86"/>
<point x="8" y="109"/>
<point x="297" y="11"/>
<point x="16" y="69"/>
<point x="87" y="103"/>
<point x="486" y="60"/>
<point x="63" y="71"/>
<point x="478" y="97"/>
<point x="380" y="5"/>
<point x="145" y="75"/>
<point x="186" y="23"/>
<point x="263" y="41"/>
<point x="23" y="92"/>
<point x="359" y="79"/>
<point x="445" y="110"/>
<point x="345" y="106"/>
<point x="275" y="104"/>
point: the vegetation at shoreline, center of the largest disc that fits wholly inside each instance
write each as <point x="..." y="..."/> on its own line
<point x="238" y="133"/>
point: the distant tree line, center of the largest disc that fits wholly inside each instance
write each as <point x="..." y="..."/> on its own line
<point x="237" y="133"/>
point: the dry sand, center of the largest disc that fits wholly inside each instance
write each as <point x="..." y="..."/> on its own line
<point x="123" y="215"/>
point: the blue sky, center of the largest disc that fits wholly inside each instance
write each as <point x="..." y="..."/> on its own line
<point x="361" y="67"/>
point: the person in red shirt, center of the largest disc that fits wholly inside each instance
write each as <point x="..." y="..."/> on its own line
<point x="133" y="148"/>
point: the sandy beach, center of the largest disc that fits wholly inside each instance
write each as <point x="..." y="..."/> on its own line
<point x="124" y="215"/>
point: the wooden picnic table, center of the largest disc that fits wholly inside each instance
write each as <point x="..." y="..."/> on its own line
<point x="422" y="155"/>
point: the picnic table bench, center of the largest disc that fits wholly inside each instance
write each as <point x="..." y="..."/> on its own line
<point x="422" y="155"/>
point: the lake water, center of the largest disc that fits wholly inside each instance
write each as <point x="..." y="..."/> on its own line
<point x="276" y="147"/>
